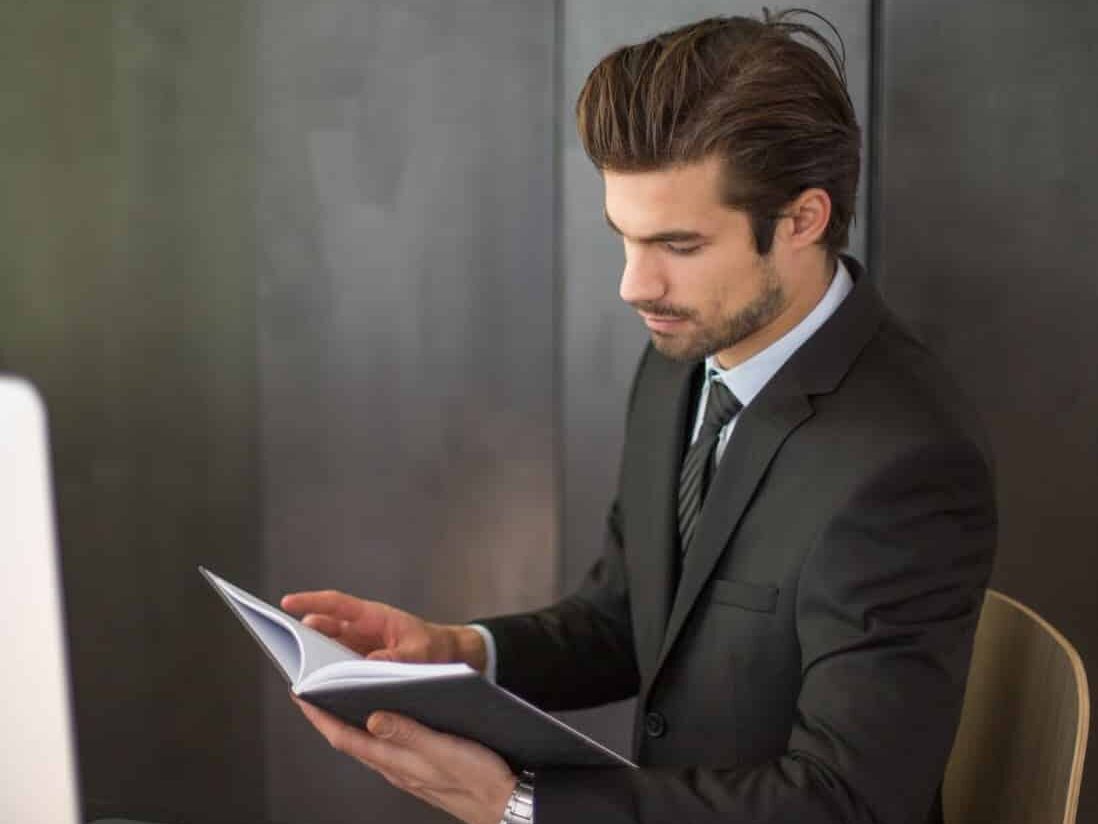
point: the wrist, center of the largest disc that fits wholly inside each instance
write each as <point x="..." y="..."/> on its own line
<point x="468" y="645"/>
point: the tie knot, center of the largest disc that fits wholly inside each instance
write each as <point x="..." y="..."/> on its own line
<point x="720" y="407"/>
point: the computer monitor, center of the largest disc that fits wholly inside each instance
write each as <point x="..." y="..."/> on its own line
<point x="38" y="783"/>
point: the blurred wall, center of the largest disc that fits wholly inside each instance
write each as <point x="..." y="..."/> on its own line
<point x="986" y="214"/>
<point x="320" y="295"/>
<point x="285" y="274"/>
<point x="406" y="328"/>
<point x="127" y="293"/>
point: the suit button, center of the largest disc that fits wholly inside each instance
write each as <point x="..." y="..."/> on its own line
<point x="655" y="725"/>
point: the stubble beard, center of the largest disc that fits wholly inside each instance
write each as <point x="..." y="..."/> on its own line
<point x="770" y="302"/>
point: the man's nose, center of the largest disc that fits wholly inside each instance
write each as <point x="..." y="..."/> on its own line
<point x="642" y="278"/>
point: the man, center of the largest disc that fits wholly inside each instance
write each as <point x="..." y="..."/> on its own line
<point x="804" y="523"/>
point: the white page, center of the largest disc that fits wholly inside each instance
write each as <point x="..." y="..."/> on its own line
<point x="298" y="649"/>
<point x="361" y="671"/>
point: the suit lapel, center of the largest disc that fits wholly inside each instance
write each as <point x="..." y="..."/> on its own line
<point x="650" y="476"/>
<point x="761" y="429"/>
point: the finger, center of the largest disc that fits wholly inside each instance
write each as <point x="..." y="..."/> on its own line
<point x="401" y="731"/>
<point x="343" y="632"/>
<point x="321" y="719"/>
<point x="368" y="623"/>
<point x="440" y="757"/>
<point x="332" y="627"/>
<point x="385" y="757"/>
<point x="340" y="736"/>
<point x="324" y="602"/>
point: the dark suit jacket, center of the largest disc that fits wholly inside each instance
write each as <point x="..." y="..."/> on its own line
<point x="809" y="664"/>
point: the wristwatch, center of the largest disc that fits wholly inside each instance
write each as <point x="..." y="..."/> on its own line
<point x="520" y="806"/>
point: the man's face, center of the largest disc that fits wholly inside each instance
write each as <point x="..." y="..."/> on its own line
<point x="691" y="268"/>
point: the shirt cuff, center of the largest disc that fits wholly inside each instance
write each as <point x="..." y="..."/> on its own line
<point x="489" y="652"/>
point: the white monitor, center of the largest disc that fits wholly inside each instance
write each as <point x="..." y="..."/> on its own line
<point x="38" y="783"/>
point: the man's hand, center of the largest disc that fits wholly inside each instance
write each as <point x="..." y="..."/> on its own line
<point x="383" y="633"/>
<point x="461" y="777"/>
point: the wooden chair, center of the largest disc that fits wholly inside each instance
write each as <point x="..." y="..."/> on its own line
<point x="1018" y="755"/>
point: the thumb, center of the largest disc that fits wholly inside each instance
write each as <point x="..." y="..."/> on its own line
<point x="395" y="728"/>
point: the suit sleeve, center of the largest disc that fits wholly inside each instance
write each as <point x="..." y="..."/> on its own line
<point x="886" y="610"/>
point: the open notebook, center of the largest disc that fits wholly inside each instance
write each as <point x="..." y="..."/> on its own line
<point x="452" y="698"/>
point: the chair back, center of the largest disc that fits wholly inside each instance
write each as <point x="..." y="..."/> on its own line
<point x="1018" y="755"/>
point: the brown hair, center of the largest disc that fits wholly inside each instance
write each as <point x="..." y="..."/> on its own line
<point x="774" y="108"/>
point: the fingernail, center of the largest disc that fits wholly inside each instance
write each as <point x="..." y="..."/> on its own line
<point x="380" y="725"/>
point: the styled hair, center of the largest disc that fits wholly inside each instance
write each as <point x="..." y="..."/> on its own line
<point x="773" y="107"/>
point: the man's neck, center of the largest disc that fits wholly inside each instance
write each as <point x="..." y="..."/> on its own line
<point x="809" y="288"/>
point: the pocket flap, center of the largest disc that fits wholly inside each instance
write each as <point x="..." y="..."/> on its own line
<point x="756" y="597"/>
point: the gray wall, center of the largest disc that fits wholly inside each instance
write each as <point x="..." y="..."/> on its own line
<point x="127" y="293"/>
<point x="987" y="245"/>
<point x="319" y="294"/>
<point x="284" y="273"/>
<point x="406" y="329"/>
<point x="601" y="337"/>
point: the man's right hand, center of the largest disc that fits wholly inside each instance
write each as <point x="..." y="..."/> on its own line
<point x="383" y="633"/>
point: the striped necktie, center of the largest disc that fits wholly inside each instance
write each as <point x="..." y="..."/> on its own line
<point x="697" y="467"/>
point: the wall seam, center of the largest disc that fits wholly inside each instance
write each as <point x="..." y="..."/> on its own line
<point x="874" y="138"/>
<point x="559" y="454"/>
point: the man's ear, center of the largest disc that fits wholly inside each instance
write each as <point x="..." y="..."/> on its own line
<point x="809" y="215"/>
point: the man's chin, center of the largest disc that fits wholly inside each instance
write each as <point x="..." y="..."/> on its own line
<point x="676" y="349"/>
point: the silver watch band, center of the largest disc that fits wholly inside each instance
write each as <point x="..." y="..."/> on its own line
<point x="520" y="806"/>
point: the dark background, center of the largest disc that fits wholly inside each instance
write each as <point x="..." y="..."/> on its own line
<point x="319" y="294"/>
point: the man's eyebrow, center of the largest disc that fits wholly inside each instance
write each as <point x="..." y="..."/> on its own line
<point x="666" y="236"/>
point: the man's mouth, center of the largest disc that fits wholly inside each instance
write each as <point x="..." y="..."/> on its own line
<point x="662" y="323"/>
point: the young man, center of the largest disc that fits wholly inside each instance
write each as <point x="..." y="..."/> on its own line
<point x="804" y="525"/>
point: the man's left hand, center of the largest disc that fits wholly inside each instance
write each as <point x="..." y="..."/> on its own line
<point x="468" y="781"/>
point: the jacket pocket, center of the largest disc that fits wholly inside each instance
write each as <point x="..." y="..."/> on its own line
<point x="755" y="597"/>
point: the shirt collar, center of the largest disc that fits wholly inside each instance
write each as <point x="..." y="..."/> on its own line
<point x="747" y="379"/>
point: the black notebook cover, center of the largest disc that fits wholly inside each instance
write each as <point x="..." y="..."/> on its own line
<point x="471" y="707"/>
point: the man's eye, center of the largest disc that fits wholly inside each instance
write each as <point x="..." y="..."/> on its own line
<point x="681" y="251"/>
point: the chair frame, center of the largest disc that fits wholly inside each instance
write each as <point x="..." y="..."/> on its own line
<point x="1082" y="697"/>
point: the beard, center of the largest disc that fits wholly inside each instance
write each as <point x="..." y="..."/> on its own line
<point x="724" y="332"/>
